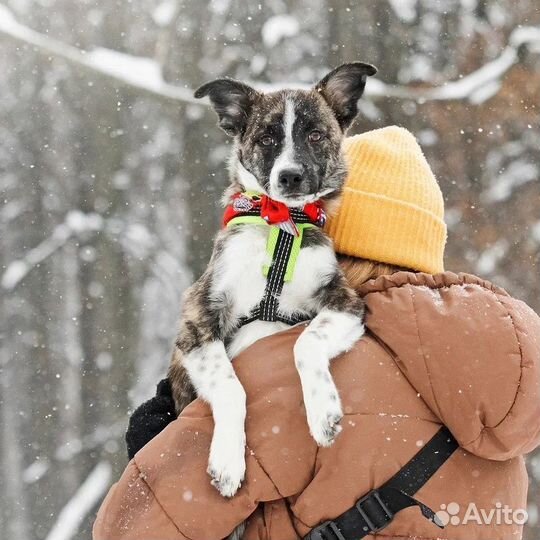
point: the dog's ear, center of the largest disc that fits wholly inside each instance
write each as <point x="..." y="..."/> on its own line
<point x="343" y="87"/>
<point x="232" y="101"/>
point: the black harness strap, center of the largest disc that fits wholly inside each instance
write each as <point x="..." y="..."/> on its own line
<point x="276" y="277"/>
<point x="268" y="309"/>
<point x="377" y="509"/>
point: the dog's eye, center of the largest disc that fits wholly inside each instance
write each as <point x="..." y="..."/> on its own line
<point x="315" y="136"/>
<point x="267" y="140"/>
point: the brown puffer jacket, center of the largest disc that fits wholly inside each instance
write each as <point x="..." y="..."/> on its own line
<point x="442" y="349"/>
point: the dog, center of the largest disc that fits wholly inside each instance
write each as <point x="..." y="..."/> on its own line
<point x="286" y="167"/>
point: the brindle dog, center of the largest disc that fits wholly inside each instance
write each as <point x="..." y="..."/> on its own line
<point x="288" y="146"/>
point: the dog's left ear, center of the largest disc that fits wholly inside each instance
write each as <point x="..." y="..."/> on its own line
<point x="232" y="101"/>
<point x="343" y="87"/>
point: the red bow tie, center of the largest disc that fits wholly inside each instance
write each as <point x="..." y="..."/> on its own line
<point x="273" y="212"/>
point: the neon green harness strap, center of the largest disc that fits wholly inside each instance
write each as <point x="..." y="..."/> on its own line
<point x="272" y="241"/>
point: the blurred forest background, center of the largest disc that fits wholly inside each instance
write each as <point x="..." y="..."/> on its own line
<point x="110" y="174"/>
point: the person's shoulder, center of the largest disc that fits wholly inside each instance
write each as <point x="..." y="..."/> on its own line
<point x="449" y="310"/>
<point x="421" y="280"/>
<point x="447" y="293"/>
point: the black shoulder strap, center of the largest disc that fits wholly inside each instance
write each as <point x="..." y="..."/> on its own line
<point x="377" y="509"/>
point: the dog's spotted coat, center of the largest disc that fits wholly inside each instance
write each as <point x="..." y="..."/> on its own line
<point x="287" y="146"/>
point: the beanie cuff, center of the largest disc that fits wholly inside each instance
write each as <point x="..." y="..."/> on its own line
<point x="389" y="231"/>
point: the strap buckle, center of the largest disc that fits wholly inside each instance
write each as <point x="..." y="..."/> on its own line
<point x="374" y="511"/>
<point x="326" y="531"/>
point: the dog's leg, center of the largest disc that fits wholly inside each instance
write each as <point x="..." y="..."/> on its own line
<point x="215" y="381"/>
<point x="182" y="387"/>
<point x="334" y="330"/>
<point x="204" y="359"/>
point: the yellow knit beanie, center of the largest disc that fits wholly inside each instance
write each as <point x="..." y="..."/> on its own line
<point x="392" y="208"/>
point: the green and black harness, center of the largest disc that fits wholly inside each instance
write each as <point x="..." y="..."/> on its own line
<point x="286" y="230"/>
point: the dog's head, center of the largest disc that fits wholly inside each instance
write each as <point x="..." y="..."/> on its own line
<point x="288" y="143"/>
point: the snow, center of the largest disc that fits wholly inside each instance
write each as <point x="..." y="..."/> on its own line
<point x="452" y="217"/>
<point x="104" y="361"/>
<point x="427" y="137"/>
<point x="404" y="9"/>
<point x="35" y="471"/>
<point x="81" y="503"/>
<point x="382" y="414"/>
<point x="369" y="110"/>
<point x="136" y="70"/>
<point x="258" y="63"/>
<point x="517" y="173"/>
<point x="8" y="22"/>
<point x="15" y="272"/>
<point x="532" y="512"/>
<point x="435" y="295"/>
<point x="164" y="13"/>
<point x="278" y="28"/>
<point x="418" y="68"/>
<point x="486" y="92"/>
<point x="79" y="222"/>
<point x="535" y="232"/>
<point x="526" y="34"/>
<point x="487" y="262"/>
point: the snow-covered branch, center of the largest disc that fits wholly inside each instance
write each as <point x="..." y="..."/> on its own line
<point x="137" y="72"/>
<point x="145" y="74"/>
<point x="134" y="237"/>
<point x="75" y="222"/>
<point x="86" y="497"/>
<point x="475" y="87"/>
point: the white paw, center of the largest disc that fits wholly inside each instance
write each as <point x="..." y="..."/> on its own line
<point x="227" y="464"/>
<point x="324" y="412"/>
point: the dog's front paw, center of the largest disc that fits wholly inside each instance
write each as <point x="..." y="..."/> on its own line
<point x="323" y="416"/>
<point x="227" y="466"/>
<point x="226" y="482"/>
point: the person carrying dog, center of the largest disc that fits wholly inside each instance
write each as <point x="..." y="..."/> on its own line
<point x="441" y="398"/>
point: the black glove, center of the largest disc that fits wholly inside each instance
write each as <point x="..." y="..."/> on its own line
<point x="150" y="418"/>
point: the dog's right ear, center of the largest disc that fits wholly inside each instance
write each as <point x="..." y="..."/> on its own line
<point x="232" y="101"/>
<point x="343" y="87"/>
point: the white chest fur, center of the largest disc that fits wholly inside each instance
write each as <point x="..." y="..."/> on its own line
<point x="238" y="276"/>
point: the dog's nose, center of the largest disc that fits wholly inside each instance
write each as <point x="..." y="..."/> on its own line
<point x="290" y="178"/>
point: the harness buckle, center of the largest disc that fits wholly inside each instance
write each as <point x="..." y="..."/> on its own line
<point x="326" y="531"/>
<point x="374" y="511"/>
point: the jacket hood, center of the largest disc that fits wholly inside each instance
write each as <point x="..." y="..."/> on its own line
<point x="455" y="336"/>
